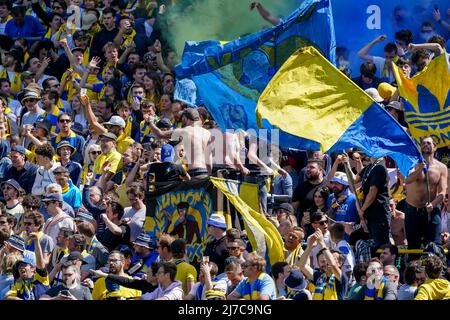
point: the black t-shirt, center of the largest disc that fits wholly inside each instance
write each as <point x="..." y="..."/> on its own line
<point x="217" y="252"/>
<point x="111" y="241"/>
<point x="376" y="176"/>
<point x="305" y="194"/>
<point x="80" y="292"/>
<point x="341" y="286"/>
<point x="166" y="171"/>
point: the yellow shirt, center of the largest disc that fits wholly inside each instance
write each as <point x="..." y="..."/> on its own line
<point x="122" y="192"/>
<point x="123" y="142"/>
<point x="185" y="272"/>
<point x="28" y="291"/>
<point x="434" y="289"/>
<point x="114" y="158"/>
<point x="101" y="292"/>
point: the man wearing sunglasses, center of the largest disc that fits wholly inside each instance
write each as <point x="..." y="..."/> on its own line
<point x="11" y="194"/>
<point x="33" y="223"/>
<point x="319" y="221"/>
<point x="58" y="218"/>
<point x="66" y="134"/>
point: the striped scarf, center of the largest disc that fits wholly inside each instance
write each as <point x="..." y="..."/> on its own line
<point x="375" y="294"/>
<point x="53" y="118"/>
<point x="14" y="78"/>
<point x="386" y="72"/>
<point x="93" y="245"/>
<point x="128" y="39"/>
<point x="108" y="65"/>
<point x="248" y="293"/>
<point x="325" y="288"/>
<point x="295" y="254"/>
<point x="72" y="138"/>
<point x="30" y="243"/>
<point x="57" y="35"/>
<point x="336" y="202"/>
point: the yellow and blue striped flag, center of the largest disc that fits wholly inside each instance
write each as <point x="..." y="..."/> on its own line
<point x="426" y="98"/>
<point x="310" y="98"/>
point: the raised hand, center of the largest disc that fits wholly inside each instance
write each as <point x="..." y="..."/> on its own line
<point x="93" y="64"/>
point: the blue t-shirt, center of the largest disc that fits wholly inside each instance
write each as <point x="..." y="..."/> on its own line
<point x="73" y="196"/>
<point x="264" y="284"/>
<point x="346" y="210"/>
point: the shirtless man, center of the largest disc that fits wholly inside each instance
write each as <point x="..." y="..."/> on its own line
<point x="397" y="224"/>
<point x="226" y="152"/>
<point x="423" y="214"/>
<point x="195" y="140"/>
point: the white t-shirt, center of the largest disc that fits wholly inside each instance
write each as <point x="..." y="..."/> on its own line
<point x="52" y="232"/>
<point x="345" y="248"/>
<point x="137" y="221"/>
<point x="316" y="249"/>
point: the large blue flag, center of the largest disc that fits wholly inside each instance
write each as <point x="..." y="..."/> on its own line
<point x="231" y="76"/>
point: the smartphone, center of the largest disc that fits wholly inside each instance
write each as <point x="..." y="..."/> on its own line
<point x="436" y="7"/>
<point x="64" y="292"/>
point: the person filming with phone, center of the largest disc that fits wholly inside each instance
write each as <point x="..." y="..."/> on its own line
<point x="71" y="289"/>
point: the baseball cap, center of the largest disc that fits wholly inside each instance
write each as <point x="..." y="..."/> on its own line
<point x="61" y="169"/>
<point x="78" y="49"/>
<point x="373" y="93"/>
<point x="19" y="149"/>
<point x="88" y="20"/>
<point x="167" y="153"/>
<point x="53" y="197"/>
<point x="109" y="135"/>
<point x="44" y="124"/>
<point x="286" y="207"/>
<point x="26" y="74"/>
<point x="191" y="114"/>
<point x="75" y="255"/>
<point x="79" y="34"/>
<point x="164" y="123"/>
<point x="386" y="90"/>
<point x="13" y="183"/>
<point x="341" y="178"/>
<point x="116" y="121"/>
<point x="217" y="220"/>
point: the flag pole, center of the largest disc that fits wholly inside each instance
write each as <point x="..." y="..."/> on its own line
<point x="352" y="186"/>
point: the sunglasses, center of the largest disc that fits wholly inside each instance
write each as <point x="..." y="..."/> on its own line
<point x="65" y="120"/>
<point x="232" y="248"/>
<point x="322" y="223"/>
<point x="96" y="152"/>
<point x="31" y="207"/>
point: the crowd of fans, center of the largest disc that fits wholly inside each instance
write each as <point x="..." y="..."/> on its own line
<point x="88" y="122"/>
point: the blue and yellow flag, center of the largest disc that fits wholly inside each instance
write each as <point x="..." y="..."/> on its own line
<point x="426" y="100"/>
<point x="229" y="77"/>
<point x="310" y="98"/>
<point x="263" y="235"/>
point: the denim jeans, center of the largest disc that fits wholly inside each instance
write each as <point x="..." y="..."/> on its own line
<point x="420" y="231"/>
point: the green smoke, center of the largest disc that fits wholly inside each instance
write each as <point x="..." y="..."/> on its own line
<point x="222" y="20"/>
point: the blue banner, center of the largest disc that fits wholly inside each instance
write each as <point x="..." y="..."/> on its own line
<point x="359" y="22"/>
